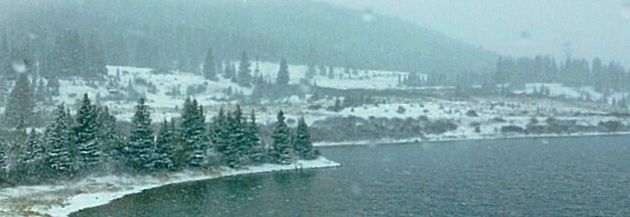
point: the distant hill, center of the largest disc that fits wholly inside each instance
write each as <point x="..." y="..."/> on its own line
<point x="176" y="34"/>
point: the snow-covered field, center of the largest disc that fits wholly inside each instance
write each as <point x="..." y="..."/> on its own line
<point x="63" y="199"/>
<point x="159" y="89"/>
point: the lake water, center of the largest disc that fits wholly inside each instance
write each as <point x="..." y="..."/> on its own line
<point x="587" y="176"/>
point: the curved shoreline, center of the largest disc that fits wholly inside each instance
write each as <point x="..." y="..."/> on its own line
<point x="62" y="200"/>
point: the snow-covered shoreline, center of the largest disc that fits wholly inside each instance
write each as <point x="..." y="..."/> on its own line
<point x="62" y="200"/>
<point x="452" y="138"/>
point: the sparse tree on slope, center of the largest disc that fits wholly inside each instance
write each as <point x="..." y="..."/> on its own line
<point x="283" y="73"/>
<point x="20" y="104"/>
<point x="209" y="66"/>
<point x="281" y="150"/>
<point x="244" y="71"/>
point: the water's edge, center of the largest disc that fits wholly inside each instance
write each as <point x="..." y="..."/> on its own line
<point x="454" y="138"/>
<point x="98" y="191"/>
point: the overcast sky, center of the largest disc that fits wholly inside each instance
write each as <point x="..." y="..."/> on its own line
<point x="521" y="27"/>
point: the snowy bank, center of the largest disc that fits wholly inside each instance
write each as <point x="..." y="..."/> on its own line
<point x="462" y="137"/>
<point x="61" y="200"/>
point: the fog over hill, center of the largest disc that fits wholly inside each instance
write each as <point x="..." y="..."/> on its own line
<point x="176" y="35"/>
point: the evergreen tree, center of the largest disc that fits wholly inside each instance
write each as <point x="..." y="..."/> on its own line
<point x="209" y="66"/>
<point x="244" y="71"/>
<point x="165" y="147"/>
<point x="238" y="140"/>
<point x="311" y="71"/>
<point x="86" y="135"/>
<point x="193" y="132"/>
<point x="281" y="149"/>
<point x="230" y="149"/>
<point x="3" y="160"/>
<point x="257" y="151"/>
<point x="331" y="72"/>
<point x="109" y="138"/>
<point x="283" y="73"/>
<point x="141" y="150"/>
<point x="302" y="143"/>
<point x="220" y="135"/>
<point x="58" y="139"/>
<point x="34" y="150"/>
<point x="21" y="103"/>
<point x="53" y="86"/>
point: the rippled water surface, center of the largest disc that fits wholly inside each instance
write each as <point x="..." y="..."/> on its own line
<point x="560" y="177"/>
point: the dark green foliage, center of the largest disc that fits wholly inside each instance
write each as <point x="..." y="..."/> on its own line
<point x="231" y="150"/>
<point x="3" y="160"/>
<point x="302" y="143"/>
<point x="141" y="149"/>
<point x="283" y="74"/>
<point x="87" y="135"/>
<point x="256" y="149"/>
<point x="209" y="66"/>
<point x="238" y="140"/>
<point x="21" y="104"/>
<point x="193" y="132"/>
<point x="244" y="77"/>
<point x="281" y="151"/>
<point x="34" y="150"/>
<point x="58" y="139"/>
<point x="165" y="147"/>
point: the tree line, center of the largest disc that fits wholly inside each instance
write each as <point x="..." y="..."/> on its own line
<point x="571" y="72"/>
<point x="93" y="142"/>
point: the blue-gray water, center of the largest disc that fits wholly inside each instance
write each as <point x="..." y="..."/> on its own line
<point x="587" y="176"/>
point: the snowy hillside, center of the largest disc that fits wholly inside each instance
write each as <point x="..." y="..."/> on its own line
<point x="166" y="91"/>
<point x="557" y="90"/>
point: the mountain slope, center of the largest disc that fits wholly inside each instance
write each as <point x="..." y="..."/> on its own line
<point x="176" y="34"/>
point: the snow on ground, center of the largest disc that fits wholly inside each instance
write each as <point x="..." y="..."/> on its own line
<point x="558" y="90"/>
<point x="166" y="91"/>
<point x="61" y="200"/>
<point x="363" y="79"/>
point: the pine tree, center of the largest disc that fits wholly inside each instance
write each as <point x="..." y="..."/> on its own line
<point x="311" y="71"/>
<point x="231" y="150"/>
<point x="53" y="86"/>
<point x="141" y="150"/>
<point x="34" y="150"/>
<point x="165" y="148"/>
<point x="193" y="132"/>
<point x="257" y="151"/>
<point x="86" y="134"/>
<point x="237" y="140"/>
<point x="58" y="140"/>
<point x="3" y="160"/>
<point x="244" y="71"/>
<point x="20" y="104"/>
<point x="209" y="66"/>
<point x="283" y="73"/>
<point x="331" y="72"/>
<point x="109" y="138"/>
<point x="220" y="134"/>
<point x="302" y="143"/>
<point x="281" y="152"/>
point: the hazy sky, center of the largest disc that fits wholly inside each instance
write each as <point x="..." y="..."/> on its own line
<point x="521" y="27"/>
